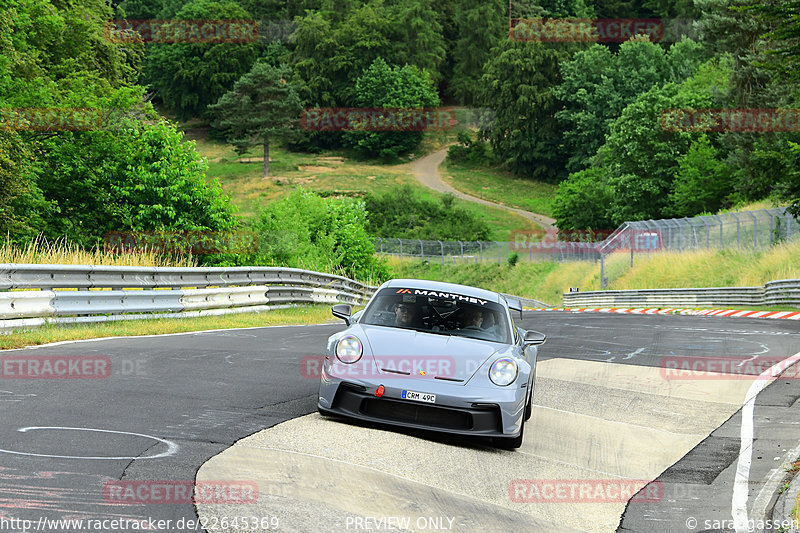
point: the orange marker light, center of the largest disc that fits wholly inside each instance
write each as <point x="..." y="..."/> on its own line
<point x="421" y="372"/>
<point x="379" y="391"/>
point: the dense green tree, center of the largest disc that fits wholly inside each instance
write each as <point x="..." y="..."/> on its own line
<point x="480" y="26"/>
<point x="598" y="84"/>
<point x="781" y="19"/>
<point x="263" y="105"/>
<point x="21" y="201"/>
<point x="518" y="84"/>
<point x="724" y="29"/>
<point x="141" y="9"/>
<point x="143" y="178"/>
<point x="702" y="183"/>
<point x="637" y="165"/>
<point x="383" y="86"/>
<point x="332" y="49"/>
<point x="188" y="77"/>
<point x="423" y="43"/>
<point x="582" y="201"/>
<point x="641" y="155"/>
<point x="330" y="54"/>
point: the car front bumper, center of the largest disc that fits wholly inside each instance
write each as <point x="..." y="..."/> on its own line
<point x="458" y="409"/>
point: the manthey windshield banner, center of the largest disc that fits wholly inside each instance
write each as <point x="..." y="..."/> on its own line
<point x="442" y="295"/>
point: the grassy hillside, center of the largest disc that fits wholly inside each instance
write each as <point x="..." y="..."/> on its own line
<point x="548" y="281"/>
<point x="329" y="173"/>
<point x="500" y="186"/>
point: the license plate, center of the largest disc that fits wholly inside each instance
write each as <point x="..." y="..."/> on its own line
<point x="419" y="396"/>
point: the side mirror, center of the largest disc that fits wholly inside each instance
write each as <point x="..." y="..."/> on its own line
<point x="342" y="311"/>
<point x="533" y="338"/>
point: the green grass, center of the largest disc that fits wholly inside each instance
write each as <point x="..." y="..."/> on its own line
<point x="500" y="186"/>
<point x="327" y="173"/>
<point x="55" y="332"/>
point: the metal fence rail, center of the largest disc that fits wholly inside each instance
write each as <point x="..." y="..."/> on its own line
<point x="458" y="252"/>
<point x="31" y="295"/>
<point x="745" y="230"/>
<point x="773" y="293"/>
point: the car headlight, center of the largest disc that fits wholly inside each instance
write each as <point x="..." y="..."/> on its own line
<point x="503" y="372"/>
<point x="349" y="349"/>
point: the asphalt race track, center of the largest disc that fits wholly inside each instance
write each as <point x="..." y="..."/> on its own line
<point x="608" y="414"/>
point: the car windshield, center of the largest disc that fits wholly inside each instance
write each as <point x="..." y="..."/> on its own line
<point x="439" y="313"/>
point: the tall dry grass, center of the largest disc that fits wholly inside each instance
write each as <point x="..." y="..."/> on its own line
<point x="62" y="252"/>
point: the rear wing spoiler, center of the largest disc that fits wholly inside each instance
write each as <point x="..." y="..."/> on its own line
<point x="514" y="305"/>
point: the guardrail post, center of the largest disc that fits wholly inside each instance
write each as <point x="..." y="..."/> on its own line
<point x="421" y="249"/>
<point x="499" y="261"/>
<point x="401" y="248"/>
<point x="481" y="250"/>
<point x="462" y="250"/>
<point x="442" y="247"/>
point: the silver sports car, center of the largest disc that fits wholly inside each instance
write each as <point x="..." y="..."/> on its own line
<point x="433" y="355"/>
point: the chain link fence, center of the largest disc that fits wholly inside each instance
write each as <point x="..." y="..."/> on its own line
<point x="745" y="230"/>
<point x="458" y="252"/>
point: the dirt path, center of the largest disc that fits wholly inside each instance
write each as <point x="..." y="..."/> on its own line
<point x="426" y="170"/>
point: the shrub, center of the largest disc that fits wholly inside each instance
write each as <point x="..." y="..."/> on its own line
<point x="305" y="230"/>
<point x="402" y="213"/>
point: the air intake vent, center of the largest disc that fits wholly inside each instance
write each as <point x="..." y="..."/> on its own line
<point x="395" y="371"/>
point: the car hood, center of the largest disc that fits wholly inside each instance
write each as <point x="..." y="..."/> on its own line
<point x="399" y="351"/>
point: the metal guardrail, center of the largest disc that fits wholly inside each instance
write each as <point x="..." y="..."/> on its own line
<point x="31" y="295"/>
<point x="774" y="293"/>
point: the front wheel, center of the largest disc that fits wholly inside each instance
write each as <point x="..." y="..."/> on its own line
<point x="529" y="405"/>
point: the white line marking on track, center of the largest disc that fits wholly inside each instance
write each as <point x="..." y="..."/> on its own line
<point x="60" y="343"/>
<point x="634" y="354"/>
<point x="172" y="448"/>
<point x="742" y="479"/>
